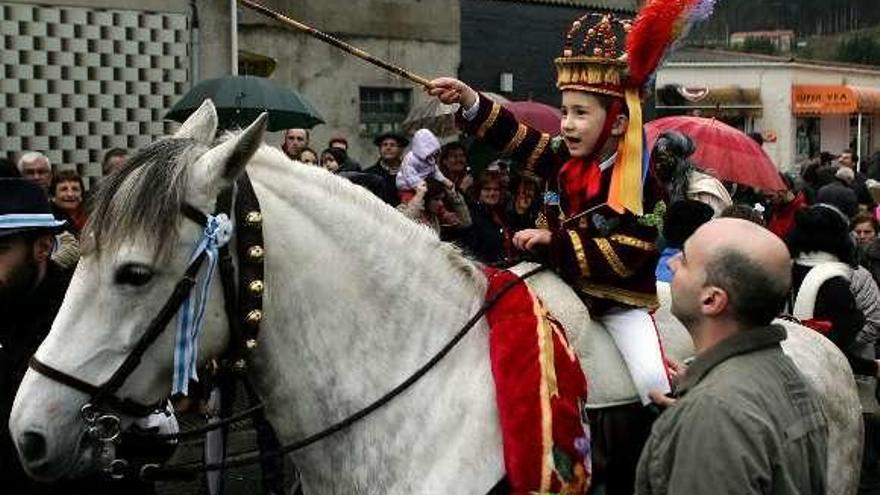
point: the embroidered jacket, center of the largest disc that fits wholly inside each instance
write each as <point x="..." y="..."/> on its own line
<point x="609" y="258"/>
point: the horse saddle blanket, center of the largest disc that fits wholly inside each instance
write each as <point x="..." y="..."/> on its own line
<point x="540" y="390"/>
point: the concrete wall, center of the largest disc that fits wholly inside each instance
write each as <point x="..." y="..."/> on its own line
<point x="419" y="36"/>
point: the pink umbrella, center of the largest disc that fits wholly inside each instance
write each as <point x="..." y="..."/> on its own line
<point x="722" y="151"/>
<point x="536" y="115"/>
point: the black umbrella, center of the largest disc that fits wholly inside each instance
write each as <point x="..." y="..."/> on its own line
<point x="241" y="99"/>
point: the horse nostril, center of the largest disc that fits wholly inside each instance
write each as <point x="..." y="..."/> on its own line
<point x="33" y="447"/>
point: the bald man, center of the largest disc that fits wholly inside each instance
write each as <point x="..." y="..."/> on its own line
<point x="746" y="421"/>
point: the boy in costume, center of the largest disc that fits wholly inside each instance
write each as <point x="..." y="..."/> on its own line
<point x="602" y="208"/>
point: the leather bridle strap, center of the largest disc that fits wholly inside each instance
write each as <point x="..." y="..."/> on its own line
<point x="104" y="394"/>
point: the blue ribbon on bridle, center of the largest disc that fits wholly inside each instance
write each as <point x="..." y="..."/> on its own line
<point x="217" y="233"/>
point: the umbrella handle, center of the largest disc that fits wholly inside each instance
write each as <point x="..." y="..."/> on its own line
<point x="326" y="38"/>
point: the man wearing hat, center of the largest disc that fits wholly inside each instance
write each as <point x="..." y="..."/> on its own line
<point x="391" y="146"/>
<point x="32" y="287"/>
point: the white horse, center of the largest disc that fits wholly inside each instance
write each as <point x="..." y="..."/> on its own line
<point x="357" y="298"/>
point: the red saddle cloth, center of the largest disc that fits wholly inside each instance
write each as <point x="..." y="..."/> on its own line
<point x="540" y="389"/>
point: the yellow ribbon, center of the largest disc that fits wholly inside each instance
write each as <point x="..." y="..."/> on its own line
<point x="626" y="179"/>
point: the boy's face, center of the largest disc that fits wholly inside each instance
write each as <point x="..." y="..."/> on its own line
<point x="583" y="118"/>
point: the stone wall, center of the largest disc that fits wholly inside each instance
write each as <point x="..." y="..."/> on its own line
<point x="419" y="36"/>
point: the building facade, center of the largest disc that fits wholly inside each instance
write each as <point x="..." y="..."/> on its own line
<point x="83" y="76"/>
<point x="356" y="99"/>
<point x="801" y="107"/>
<point x="508" y="46"/>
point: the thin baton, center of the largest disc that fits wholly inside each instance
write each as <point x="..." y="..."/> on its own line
<point x="357" y="52"/>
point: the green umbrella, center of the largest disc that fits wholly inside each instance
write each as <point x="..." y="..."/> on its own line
<point x="241" y="99"/>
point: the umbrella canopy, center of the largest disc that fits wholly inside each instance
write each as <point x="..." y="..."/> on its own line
<point x="722" y="151"/>
<point x="537" y="115"/>
<point x="241" y="99"/>
<point x="437" y="117"/>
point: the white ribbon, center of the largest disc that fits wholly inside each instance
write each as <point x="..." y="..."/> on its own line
<point x="217" y="233"/>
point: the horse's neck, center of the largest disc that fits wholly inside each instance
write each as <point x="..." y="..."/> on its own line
<point x="357" y="299"/>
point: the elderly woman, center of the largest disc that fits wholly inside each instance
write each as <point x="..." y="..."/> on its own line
<point x="680" y="178"/>
<point x="489" y="239"/>
<point x="66" y="191"/>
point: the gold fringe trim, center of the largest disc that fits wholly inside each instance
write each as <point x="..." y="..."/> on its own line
<point x="521" y="132"/>
<point x="490" y="120"/>
<point x="579" y="253"/>
<point x="616" y="264"/>
<point x="548" y="389"/>
<point x="588" y="72"/>
<point x="631" y="298"/>
<point x="539" y="149"/>
<point x="633" y="242"/>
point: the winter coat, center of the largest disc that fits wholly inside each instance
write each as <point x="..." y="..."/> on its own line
<point x="747" y="421"/>
<point x="488" y="239"/>
<point x="836" y="304"/>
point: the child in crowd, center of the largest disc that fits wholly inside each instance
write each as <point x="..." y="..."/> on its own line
<point x="420" y="163"/>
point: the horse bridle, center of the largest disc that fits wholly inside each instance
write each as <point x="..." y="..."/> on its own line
<point x="104" y="426"/>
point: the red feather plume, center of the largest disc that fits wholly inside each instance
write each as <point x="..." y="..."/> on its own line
<point x="656" y="28"/>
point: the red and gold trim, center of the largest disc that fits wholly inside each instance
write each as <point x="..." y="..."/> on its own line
<point x="634" y="242"/>
<point x="614" y="261"/>
<point x="516" y="140"/>
<point x="490" y="120"/>
<point x="539" y="149"/>
<point x="578" y="247"/>
<point x="628" y="297"/>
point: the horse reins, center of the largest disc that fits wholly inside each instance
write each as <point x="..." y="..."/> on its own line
<point x="246" y="301"/>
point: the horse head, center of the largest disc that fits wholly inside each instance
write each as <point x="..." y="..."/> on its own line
<point x="136" y="249"/>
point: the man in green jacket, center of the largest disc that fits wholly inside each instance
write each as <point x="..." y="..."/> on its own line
<point x="746" y="421"/>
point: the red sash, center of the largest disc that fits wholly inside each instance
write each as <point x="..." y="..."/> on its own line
<point x="540" y="390"/>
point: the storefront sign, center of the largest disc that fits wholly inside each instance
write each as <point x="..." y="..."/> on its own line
<point x="823" y="100"/>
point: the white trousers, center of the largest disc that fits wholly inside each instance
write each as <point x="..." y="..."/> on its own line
<point x="636" y="337"/>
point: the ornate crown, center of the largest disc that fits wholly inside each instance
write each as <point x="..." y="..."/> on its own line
<point x="599" y="65"/>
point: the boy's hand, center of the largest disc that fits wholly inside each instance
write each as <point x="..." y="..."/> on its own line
<point x="450" y="91"/>
<point x="531" y="239"/>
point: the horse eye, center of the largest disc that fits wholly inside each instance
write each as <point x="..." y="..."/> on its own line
<point x="134" y="274"/>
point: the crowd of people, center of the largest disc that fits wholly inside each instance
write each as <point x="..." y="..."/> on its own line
<point x="827" y="216"/>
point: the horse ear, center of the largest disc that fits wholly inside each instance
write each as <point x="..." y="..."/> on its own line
<point x="227" y="161"/>
<point x="201" y="125"/>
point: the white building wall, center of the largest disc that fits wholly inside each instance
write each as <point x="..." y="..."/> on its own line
<point x="776" y="81"/>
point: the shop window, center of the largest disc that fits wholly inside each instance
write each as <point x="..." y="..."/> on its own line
<point x="383" y="109"/>
<point x="862" y="149"/>
<point x="808" y="138"/>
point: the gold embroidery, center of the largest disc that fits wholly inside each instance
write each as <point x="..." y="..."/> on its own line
<point x="616" y="264"/>
<point x="548" y="388"/>
<point x="521" y="131"/>
<point x="633" y="242"/>
<point x="578" y="248"/>
<point x="632" y="298"/>
<point x="541" y="222"/>
<point x="490" y="120"/>
<point x="539" y="149"/>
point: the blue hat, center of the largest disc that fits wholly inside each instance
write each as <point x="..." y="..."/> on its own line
<point x="24" y="208"/>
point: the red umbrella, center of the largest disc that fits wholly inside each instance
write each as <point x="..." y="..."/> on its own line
<point x="536" y="115"/>
<point x="723" y="151"/>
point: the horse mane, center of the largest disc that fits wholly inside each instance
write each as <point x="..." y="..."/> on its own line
<point x="144" y="197"/>
<point x="425" y="244"/>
